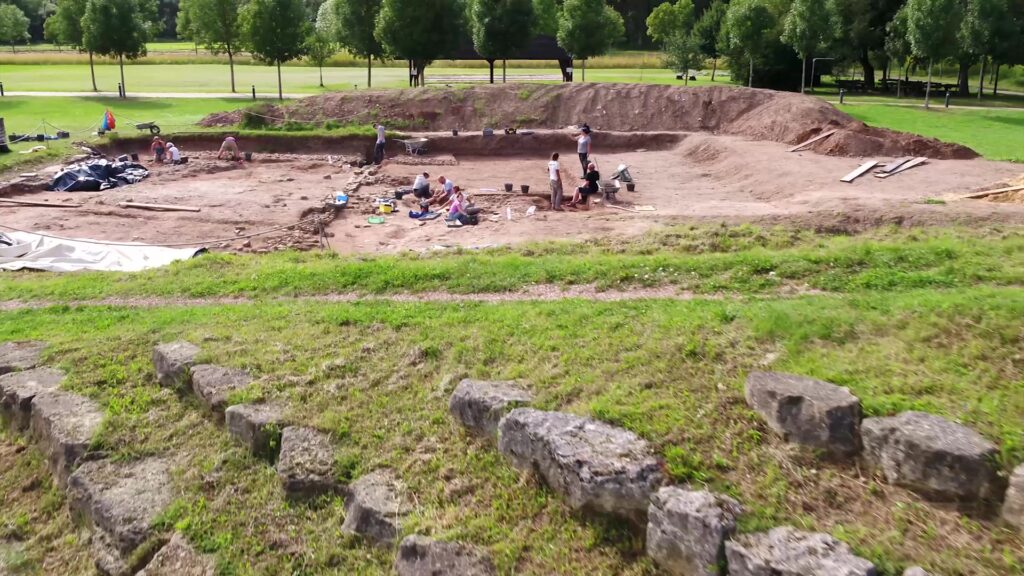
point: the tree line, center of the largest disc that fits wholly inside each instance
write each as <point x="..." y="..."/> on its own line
<point x="278" y="31"/>
<point x="769" y="42"/>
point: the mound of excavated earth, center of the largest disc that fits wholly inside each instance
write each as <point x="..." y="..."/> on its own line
<point x="758" y="114"/>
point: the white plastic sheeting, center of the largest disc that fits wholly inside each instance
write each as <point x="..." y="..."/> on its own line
<point x="32" y="251"/>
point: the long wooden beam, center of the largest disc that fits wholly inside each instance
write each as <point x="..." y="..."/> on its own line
<point x="11" y="202"/>
<point x="160" y="207"/>
<point x="813" y="140"/>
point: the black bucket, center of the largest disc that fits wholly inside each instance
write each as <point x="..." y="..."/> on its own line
<point x="135" y="157"/>
<point x="508" y="187"/>
<point x="248" y="156"/>
<point x="455" y="132"/>
<point x="525" y="188"/>
<point x="631" y="187"/>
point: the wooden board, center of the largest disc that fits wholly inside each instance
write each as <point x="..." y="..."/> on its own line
<point x="813" y="140"/>
<point x="987" y="193"/>
<point x="160" y="207"/>
<point x="913" y="163"/>
<point x="859" y="171"/>
<point x="40" y="204"/>
<point x="895" y="164"/>
<point x="617" y="207"/>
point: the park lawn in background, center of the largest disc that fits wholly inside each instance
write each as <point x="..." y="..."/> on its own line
<point x="995" y="134"/>
<point x="377" y="375"/>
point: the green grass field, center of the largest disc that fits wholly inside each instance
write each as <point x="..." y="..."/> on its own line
<point x="926" y="320"/>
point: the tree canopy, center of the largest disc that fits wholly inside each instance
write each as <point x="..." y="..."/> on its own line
<point x="669" y="20"/>
<point x="807" y="28"/>
<point x="275" y="32"/>
<point x="118" y="28"/>
<point x="545" y="14"/>
<point x="13" y="25"/>
<point x="588" y="28"/>
<point x="500" y="28"/>
<point x="749" y="25"/>
<point x="420" y="31"/>
<point x="215" y="24"/>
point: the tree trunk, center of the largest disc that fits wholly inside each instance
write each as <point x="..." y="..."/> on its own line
<point x="963" y="81"/>
<point x="995" y="83"/>
<point x="13" y="51"/>
<point x="124" y="87"/>
<point x="92" y="71"/>
<point x="686" y="75"/>
<point x="280" y="90"/>
<point x="981" y="78"/>
<point x="928" y="86"/>
<point x="714" y="68"/>
<point x="321" y="66"/>
<point x="491" y="64"/>
<point x="750" y="78"/>
<point x="584" y="69"/>
<point x="504" y="70"/>
<point x="196" y="46"/>
<point x="231" y="65"/>
<point x="369" y="71"/>
<point x="410" y="73"/>
<point x="869" y="70"/>
<point x="803" y="73"/>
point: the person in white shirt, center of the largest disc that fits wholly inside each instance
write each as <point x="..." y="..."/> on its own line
<point x="378" y="149"/>
<point x="555" y="175"/>
<point x="421" y="189"/>
<point x="173" y="153"/>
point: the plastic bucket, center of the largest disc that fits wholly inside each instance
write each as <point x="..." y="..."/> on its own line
<point x="248" y="156"/>
<point x="631" y="187"/>
<point x="508" y="187"/>
<point x="525" y="188"/>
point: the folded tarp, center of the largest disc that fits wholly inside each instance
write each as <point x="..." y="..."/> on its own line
<point x="96" y="175"/>
<point x="31" y="251"/>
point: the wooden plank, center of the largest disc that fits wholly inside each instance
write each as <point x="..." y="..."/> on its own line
<point x="813" y="140"/>
<point x="617" y="207"/>
<point x="895" y="164"/>
<point x="907" y="166"/>
<point x="40" y="204"/>
<point x="987" y="193"/>
<point x="859" y="171"/>
<point x="161" y="207"/>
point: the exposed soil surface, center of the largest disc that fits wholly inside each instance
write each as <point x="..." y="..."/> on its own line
<point x="755" y="114"/>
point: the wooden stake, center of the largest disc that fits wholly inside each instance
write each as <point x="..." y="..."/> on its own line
<point x="859" y="171"/>
<point x="621" y="208"/>
<point x="987" y="193"/>
<point x="40" y="204"/>
<point x="813" y="140"/>
<point x="159" y="207"/>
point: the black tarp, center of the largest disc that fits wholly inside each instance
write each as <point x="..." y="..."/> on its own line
<point x="96" y="175"/>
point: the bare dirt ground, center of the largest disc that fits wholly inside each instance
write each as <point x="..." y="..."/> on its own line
<point x="687" y="177"/>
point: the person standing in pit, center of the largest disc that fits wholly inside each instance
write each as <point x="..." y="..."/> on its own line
<point x="157" y="148"/>
<point x="555" y="175"/>
<point x="583" y="147"/>
<point x="378" y="149"/>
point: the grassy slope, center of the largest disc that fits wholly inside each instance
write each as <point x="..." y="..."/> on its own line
<point x="743" y="260"/>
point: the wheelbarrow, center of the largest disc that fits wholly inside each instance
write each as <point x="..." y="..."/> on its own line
<point x="151" y="126"/>
<point x="415" y="146"/>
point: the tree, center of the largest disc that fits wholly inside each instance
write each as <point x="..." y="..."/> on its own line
<point x="669" y="20"/>
<point x="215" y="24"/>
<point x="683" y="51"/>
<point x="707" y="29"/>
<point x="275" y="32"/>
<point x="68" y="18"/>
<point x="1008" y="41"/>
<point x="545" y="13"/>
<point x="860" y="31"/>
<point x="118" y="28"/>
<point x="353" y="24"/>
<point x="897" y="46"/>
<point x="588" y="28"/>
<point x="500" y="28"/>
<point x="51" y="32"/>
<point x="319" y="48"/>
<point x="420" y="31"/>
<point x="13" y="25"/>
<point x="977" y="36"/>
<point x="932" y="28"/>
<point x="184" y="27"/>
<point x="749" y="24"/>
<point x="806" y="28"/>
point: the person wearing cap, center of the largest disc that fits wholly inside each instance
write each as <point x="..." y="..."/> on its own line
<point x="583" y="143"/>
<point x="174" y="153"/>
<point x="157" y="148"/>
<point x="229" y="146"/>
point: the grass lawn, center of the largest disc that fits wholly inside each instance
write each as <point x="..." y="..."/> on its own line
<point x="377" y="375"/>
<point x="995" y="134"/>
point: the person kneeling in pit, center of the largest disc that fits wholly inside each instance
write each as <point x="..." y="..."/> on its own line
<point x="421" y="190"/>
<point x="173" y="154"/>
<point x="461" y="210"/>
<point x="589" y="187"/>
<point x="229" y="146"/>
<point x="444" y="194"/>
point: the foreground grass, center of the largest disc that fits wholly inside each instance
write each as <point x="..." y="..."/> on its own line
<point x="377" y="375"/>
<point x="995" y="134"/>
<point x="740" y="260"/>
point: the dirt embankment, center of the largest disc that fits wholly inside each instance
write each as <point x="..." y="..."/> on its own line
<point x="757" y="114"/>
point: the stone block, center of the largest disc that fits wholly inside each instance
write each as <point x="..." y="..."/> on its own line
<point x="257" y="426"/>
<point x="785" y="551"/>
<point x="213" y="384"/>
<point x="172" y="362"/>
<point x="18" y="389"/>
<point x="15" y="356"/>
<point x="687" y="530"/>
<point x="480" y="405"/>
<point x="375" y="508"/>
<point x="306" y="464"/>
<point x="63" y="424"/>
<point x="422" y="556"/>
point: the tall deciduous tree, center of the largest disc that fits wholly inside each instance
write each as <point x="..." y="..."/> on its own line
<point x="13" y="25"/>
<point x="118" y="28"/>
<point x="807" y="27"/>
<point x="1009" y="40"/>
<point x="977" y="36"/>
<point x="354" y="23"/>
<point x="748" y="26"/>
<point x="500" y="28"/>
<point x="545" y="13"/>
<point x="932" y="27"/>
<point x="420" y="31"/>
<point x="682" y="52"/>
<point x="275" y="32"/>
<point x="707" y="29"/>
<point x="68" y="19"/>
<point x="669" y="20"/>
<point x="319" y="48"/>
<point x="215" y="24"/>
<point x="860" y="31"/>
<point x="588" y="28"/>
<point x="897" y="45"/>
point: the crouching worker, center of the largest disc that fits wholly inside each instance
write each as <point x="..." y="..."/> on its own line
<point x="461" y="210"/>
<point x="421" y="190"/>
<point x="174" y="155"/>
<point x="229" y="147"/>
<point x="589" y="188"/>
<point x="158" y="148"/>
